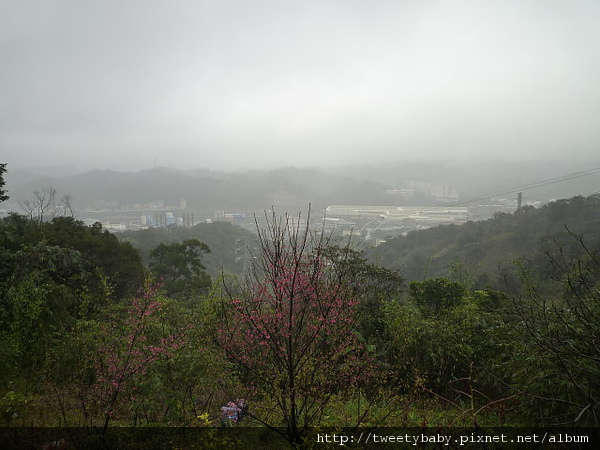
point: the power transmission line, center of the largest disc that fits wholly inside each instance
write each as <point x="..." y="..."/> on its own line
<point x="525" y="187"/>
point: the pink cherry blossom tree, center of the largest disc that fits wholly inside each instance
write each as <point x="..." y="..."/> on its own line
<point x="128" y="350"/>
<point x="289" y="328"/>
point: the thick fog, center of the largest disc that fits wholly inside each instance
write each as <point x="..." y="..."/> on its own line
<point x="262" y="84"/>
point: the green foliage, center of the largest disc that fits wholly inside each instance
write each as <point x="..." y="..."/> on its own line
<point x="12" y="403"/>
<point x="42" y="300"/>
<point x="105" y="254"/>
<point x="54" y="276"/>
<point x="558" y="364"/>
<point x="439" y="334"/>
<point x="437" y="294"/>
<point x="102" y="255"/>
<point x="229" y="240"/>
<point x="372" y="285"/>
<point x="179" y="267"/>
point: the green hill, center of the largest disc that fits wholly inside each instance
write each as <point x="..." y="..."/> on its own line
<point x="226" y="242"/>
<point x="479" y="248"/>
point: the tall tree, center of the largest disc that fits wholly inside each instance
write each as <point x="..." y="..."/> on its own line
<point x="179" y="267"/>
<point x="3" y="192"/>
<point x="128" y="349"/>
<point x="290" y="328"/>
<point x="40" y="204"/>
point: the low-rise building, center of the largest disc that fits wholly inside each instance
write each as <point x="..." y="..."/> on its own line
<point x="429" y="215"/>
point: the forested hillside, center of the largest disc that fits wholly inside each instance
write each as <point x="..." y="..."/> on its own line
<point x="226" y="243"/>
<point x="478" y="250"/>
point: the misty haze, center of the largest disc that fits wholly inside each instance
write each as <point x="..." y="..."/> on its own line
<point x="298" y="215"/>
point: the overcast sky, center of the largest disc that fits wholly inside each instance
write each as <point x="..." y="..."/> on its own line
<point x="242" y="84"/>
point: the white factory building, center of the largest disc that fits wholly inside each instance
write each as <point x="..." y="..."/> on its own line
<point x="420" y="214"/>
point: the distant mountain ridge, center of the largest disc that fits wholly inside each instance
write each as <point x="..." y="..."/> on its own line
<point x="202" y="189"/>
<point x="292" y="188"/>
